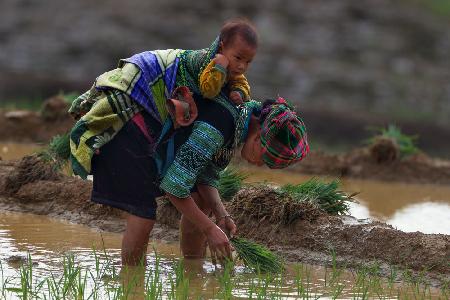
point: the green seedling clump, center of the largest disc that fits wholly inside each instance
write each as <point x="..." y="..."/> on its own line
<point x="256" y="256"/>
<point x="230" y="183"/>
<point x="58" y="150"/>
<point x="324" y="194"/>
<point x="406" y="143"/>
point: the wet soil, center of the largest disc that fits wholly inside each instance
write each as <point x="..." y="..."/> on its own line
<point x="300" y="232"/>
<point x="377" y="163"/>
<point x="36" y="127"/>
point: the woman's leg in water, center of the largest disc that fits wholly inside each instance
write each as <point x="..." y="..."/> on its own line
<point x="135" y="240"/>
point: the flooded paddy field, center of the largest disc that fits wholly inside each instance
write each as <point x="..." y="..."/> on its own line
<point x="61" y="250"/>
<point x="394" y="242"/>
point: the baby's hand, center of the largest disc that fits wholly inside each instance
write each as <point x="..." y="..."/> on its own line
<point x="221" y="60"/>
<point x="236" y="97"/>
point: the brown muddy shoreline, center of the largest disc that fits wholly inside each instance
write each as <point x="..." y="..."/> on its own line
<point x="260" y="214"/>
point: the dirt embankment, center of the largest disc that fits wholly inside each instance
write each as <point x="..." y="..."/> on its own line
<point x="300" y="232"/>
<point x="380" y="161"/>
<point x="36" y="127"/>
<point x="377" y="162"/>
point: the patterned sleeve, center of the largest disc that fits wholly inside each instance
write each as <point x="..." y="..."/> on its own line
<point x="191" y="159"/>
<point x="210" y="175"/>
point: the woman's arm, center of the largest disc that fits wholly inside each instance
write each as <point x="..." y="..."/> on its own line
<point x="190" y="159"/>
<point x="218" y="242"/>
<point x="211" y="195"/>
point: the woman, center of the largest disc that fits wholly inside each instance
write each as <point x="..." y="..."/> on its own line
<point x="135" y="154"/>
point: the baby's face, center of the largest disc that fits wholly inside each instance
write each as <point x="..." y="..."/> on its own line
<point x="239" y="54"/>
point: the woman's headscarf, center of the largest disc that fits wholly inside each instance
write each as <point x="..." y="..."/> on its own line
<point x="283" y="134"/>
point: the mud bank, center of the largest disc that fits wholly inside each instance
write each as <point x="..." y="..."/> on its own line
<point x="375" y="164"/>
<point x="364" y="163"/>
<point x="36" y="127"/>
<point x="300" y="232"/>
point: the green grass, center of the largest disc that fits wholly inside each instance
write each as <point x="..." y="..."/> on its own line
<point x="230" y="182"/>
<point x="406" y="143"/>
<point x="257" y="257"/>
<point x="325" y="195"/>
<point x="57" y="151"/>
<point x="105" y="280"/>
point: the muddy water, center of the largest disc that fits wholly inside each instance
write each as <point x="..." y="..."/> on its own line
<point x="48" y="241"/>
<point x="10" y="151"/>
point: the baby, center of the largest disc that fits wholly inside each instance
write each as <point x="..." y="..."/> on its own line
<point x="238" y="45"/>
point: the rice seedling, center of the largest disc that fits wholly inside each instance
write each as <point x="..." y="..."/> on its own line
<point x="230" y="182"/>
<point x="324" y="194"/>
<point x="302" y="281"/>
<point x="60" y="146"/>
<point x="256" y="256"/>
<point x="178" y="283"/>
<point x="57" y="151"/>
<point x="335" y="281"/>
<point x="258" y="287"/>
<point x="226" y="282"/>
<point x="406" y="143"/>
<point x="154" y="284"/>
<point x="76" y="282"/>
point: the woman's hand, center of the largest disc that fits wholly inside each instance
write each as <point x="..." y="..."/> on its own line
<point x="218" y="241"/>
<point x="227" y="225"/>
<point x="219" y="244"/>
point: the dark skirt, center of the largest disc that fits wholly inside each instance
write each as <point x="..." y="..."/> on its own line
<point x="125" y="174"/>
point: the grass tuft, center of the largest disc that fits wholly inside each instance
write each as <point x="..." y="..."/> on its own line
<point x="230" y="182"/>
<point x="406" y="143"/>
<point x="58" y="150"/>
<point x="257" y="257"/>
<point x="324" y="194"/>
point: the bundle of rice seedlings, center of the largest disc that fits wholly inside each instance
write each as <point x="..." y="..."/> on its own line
<point x="230" y="182"/>
<point x="256" y="256"/>
<point x="326" y="195"/>
<point x="406" y="143"/>
<point x="60" y="146"/>
<point x="58" y="150"/>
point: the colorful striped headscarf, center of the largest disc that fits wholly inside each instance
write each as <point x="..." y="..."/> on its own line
<point x="283" y="134"/>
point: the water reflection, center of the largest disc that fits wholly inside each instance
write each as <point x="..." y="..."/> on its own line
<point x="359" y="211"/>
<point x="11" y="151"/>
<point x="428" y="217"/>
